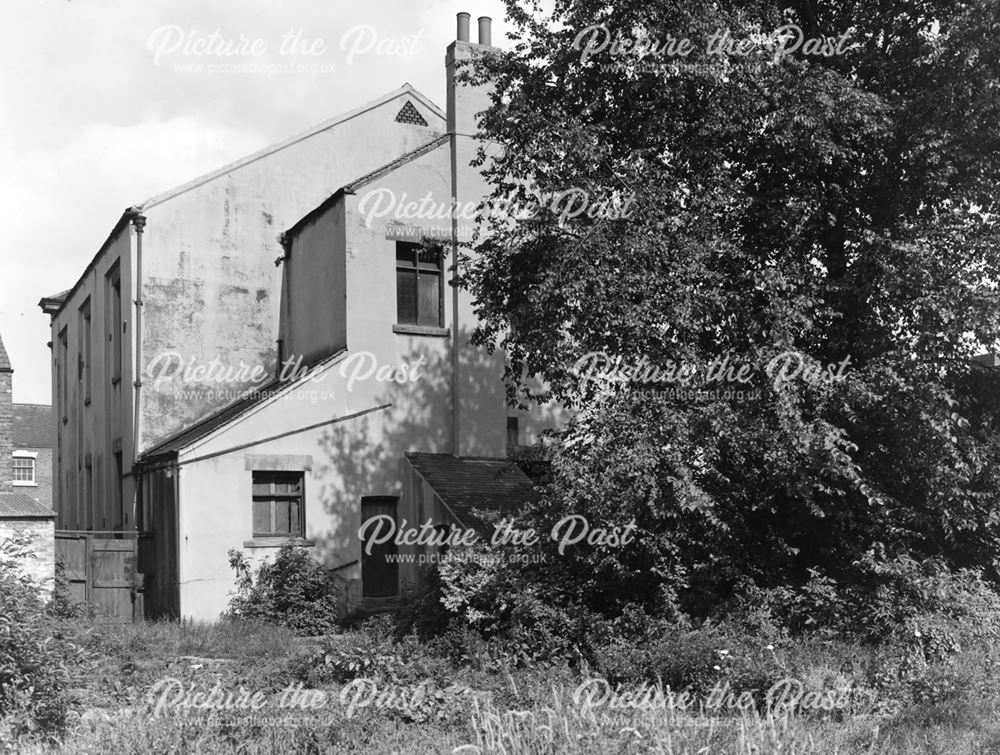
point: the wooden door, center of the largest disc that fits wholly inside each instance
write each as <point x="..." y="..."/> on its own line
<point x="379" y="571"/>
<point x="101" y="571"/>
<point x="112" y="590"/>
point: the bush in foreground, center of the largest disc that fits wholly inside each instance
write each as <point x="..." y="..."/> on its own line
<point x="33" y="657"/>
<point x="292" y="591"/>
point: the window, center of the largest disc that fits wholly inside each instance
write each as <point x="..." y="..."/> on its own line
<point x="24" y="469"/>
<point x="277" y="504"/>
<point x="84" y="350"/>
<point x="62" y="363"/>
<point x="419" y="294"/>
<point x="114" y="322"/>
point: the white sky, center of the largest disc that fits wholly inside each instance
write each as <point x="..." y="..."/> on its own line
<point x="92" y="123"/>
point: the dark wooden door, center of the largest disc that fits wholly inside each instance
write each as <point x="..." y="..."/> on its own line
<point x="101" y="571"/>
<point x="112" y="587"/>
<point x="379" y="571"/>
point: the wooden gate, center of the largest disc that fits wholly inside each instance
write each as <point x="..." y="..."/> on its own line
<point x="101" y="571"/>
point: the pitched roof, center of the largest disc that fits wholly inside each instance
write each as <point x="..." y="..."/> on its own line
<point x="53" y="305"/>
<point x="206" y="426"/>
<point x="33" y="426"/>
<point x="405" y="89"/>
<point x="231" y="412"/>
<point x="4" y="359"/>
<point x="464" y="484"/>
<point x="357" y="183"/>
<point x="21" y="506"/>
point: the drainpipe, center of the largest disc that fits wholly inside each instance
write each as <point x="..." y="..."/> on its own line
<point x="139" y="222"/>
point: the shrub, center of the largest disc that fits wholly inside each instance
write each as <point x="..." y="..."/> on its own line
<point x="524" y="619"/>
<point x="924" y="604"/>
<point x="292" y="591"/>
<point x="33" y="656"/>
<point x="422" y="610"/>
<point x="62" y="605"/>
<point x="638" y="648"/>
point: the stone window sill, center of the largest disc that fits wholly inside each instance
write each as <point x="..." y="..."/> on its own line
<point x="23" y="484"/>
<point x="420" y="330"/>
<point x="277" y="542"/>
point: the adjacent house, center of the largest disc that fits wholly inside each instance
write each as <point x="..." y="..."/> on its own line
<point x="26" y="477"/>
<point x="304" y="361"/>
<point x="34" y="432"/>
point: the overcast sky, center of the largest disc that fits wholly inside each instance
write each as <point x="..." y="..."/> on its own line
<point x="102" y="111"/>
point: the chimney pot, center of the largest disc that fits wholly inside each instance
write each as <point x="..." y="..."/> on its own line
<point x="484" y="31"/>
<point x="463" y="27"/>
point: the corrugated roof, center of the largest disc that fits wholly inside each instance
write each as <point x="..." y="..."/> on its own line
<point x="33" y="426"/>
<point x="465" y="484"/>
<point x="4" y="359"/>
<point x="21" y="506"/>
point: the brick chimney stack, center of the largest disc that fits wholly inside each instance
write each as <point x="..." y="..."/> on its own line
<point x="6" y="422"/>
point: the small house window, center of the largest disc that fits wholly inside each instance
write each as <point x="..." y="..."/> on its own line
<point x="419" y="294"/>
<point x="277" y="504"/>
<point x="24" y="470"/>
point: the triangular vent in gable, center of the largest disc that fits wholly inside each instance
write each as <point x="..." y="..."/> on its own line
<point x="409" y="114"/>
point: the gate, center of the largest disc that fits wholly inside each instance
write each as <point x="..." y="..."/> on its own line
<point x="101" y="571"/>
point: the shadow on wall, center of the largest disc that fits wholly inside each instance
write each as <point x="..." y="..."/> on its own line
<point x="365" y="457"/>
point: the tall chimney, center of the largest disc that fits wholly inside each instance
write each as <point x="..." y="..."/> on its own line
<point x="478" y="403"/>
<point x="6" y="422"/>
<point x="484" y="31"/>
<point x="463" y="27"/>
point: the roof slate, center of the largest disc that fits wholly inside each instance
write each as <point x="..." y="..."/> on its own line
<point x="21" y="506"/>
<point x="33" y="426"/>
<point x="465" y="484"/>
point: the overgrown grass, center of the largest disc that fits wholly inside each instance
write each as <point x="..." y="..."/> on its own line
<point x="482" y="707"/>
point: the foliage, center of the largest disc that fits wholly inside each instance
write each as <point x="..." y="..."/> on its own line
<point x="927" y="604"/>
<point x="62" y="605"/>
<point x="833" y="215"/>
<point x="292" y="591"/>
<point x="33" y="655"/>
<point x="422" y="611"/>
<point x="480" y="590"/>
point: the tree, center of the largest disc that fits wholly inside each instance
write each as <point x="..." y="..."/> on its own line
<point x="838" y="209"/>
